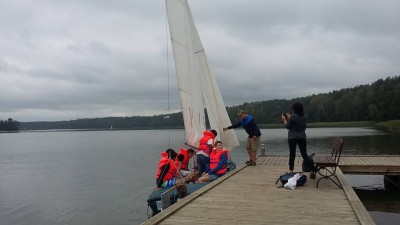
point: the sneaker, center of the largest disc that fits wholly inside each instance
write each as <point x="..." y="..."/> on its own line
<point x="251" y="163"/>
<point x="313" y="175"/>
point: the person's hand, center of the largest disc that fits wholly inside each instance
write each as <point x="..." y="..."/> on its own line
<point x="254" y="137"/>
<point x="283" y="119"/>
<point x="224" y="129"/>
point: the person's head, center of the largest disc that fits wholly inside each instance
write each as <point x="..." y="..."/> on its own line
<point x="214" y="132"/>
<point x="171" y="153"/>
<point x="190" y="152"/>
<point x="218" y="145"/>
<point x="298" y="108"/>
<point x="242" y="114"/>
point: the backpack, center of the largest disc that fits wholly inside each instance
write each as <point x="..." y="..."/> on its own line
<point x="285" y="177"/>
<point x="306" y="168"/>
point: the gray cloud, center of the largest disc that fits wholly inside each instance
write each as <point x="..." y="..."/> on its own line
<point x="63" y="60"/>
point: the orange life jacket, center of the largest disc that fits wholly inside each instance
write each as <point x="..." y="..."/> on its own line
<point x="186" y="159"/>
<point x="207" y="135"/>
<point x="214" y="160"/>
<point x="172" y="169"/>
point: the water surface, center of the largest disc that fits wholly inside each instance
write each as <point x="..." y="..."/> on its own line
<point x="104" y="177"/>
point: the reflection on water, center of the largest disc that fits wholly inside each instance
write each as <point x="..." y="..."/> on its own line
<point x="383" y="205"/>
<point x="104" y="177"/>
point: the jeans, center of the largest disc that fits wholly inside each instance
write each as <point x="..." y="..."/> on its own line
<point x="202" y="162"/>
<point x="302" y="143"/>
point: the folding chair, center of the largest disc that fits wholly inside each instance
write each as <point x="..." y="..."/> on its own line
<point x="327" y="165"/>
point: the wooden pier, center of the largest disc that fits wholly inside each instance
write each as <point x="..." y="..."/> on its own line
<point x="249" y="195"/>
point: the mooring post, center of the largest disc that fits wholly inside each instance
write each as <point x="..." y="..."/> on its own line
<point x="262" y="150"/>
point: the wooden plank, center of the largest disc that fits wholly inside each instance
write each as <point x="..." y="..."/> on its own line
<point x="361" y="212"/>
<point x="249" y="195"/>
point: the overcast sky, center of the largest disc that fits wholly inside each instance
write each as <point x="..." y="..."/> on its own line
<point x="69" y="59"/>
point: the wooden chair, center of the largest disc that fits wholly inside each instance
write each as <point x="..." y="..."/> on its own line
<point x="327" y="165"/>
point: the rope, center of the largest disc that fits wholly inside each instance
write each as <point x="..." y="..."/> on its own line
<point x="168" y="76"/>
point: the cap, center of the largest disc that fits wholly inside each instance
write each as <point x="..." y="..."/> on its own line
<point x="241" y="112"/>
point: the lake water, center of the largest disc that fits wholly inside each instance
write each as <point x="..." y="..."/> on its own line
<point x="104" y="177"/>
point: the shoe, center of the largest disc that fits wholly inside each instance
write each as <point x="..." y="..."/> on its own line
<point x="313" y="175"/>
<point x="251" y="163"/>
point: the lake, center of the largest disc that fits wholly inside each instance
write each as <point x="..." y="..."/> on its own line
<point x="104" y="177"/>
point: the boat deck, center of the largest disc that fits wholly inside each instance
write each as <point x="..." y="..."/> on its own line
<point x="249" y="195"/>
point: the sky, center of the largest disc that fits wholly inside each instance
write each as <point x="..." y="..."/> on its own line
<point x="69" y="59"/>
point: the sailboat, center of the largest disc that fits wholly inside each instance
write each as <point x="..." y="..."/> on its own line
<point x="198" y="89"/>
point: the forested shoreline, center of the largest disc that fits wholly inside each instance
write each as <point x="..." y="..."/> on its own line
<point x="378" y="102"/>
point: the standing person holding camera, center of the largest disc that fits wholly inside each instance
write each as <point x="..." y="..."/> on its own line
<point x="297" y="124"/>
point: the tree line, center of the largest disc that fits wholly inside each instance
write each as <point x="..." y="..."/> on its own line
<point x="379" y="101"/>
<point x="9" y="125"/>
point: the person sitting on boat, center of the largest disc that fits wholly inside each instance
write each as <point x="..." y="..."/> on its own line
<point x="206" y="145"/>
<point x="167" y="170"/>
<point x="182" y="161"/>
<point x="217" y="165"/>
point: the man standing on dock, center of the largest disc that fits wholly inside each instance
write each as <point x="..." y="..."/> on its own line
<point x="251" y="128"/>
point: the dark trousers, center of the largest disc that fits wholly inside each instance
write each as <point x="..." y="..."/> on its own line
<point x="202" y="162"/>
<point x="302" y="143"/>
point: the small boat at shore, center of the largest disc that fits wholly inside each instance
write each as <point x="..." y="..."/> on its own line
<point x="201" y="101"/>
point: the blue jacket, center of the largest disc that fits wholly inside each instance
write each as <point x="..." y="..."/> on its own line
<point x="249" y="125"/>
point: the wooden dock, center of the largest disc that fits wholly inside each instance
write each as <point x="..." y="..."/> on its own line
<point x="249" y="195"/>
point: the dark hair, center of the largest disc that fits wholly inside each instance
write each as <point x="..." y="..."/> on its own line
<point x="298" y="108"/>
<point x="171" y="153"/>
<point x="217" y="142"/>
<point x="190" y="150"/>
<point x="214" y="132"/>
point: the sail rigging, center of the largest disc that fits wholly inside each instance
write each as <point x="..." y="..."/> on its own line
<point x="198" y="87"/>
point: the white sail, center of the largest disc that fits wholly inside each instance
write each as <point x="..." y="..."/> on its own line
<point x="198" y="87"/>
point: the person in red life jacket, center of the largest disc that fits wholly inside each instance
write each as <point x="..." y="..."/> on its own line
<point x="217" y="165"/>
<point x="253" y="140"/>
<point x="166" y="172"/>
<point x="182" y="161"/>
<point x="206" y="145"/>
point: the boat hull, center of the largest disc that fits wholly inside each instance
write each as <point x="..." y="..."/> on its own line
<point x="154" y="199"/>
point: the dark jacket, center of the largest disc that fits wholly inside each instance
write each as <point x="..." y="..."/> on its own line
<point x="249" y="125"/>
<point x="297" y="126"/>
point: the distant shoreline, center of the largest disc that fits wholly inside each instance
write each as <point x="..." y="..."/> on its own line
<point x="389" y="126"/>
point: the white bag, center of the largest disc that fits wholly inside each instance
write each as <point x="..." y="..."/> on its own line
<point x="291" y="184"/>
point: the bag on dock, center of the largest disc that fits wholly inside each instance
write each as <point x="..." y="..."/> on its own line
<point x="285" y="177"/>
<point x="305" y="167"/>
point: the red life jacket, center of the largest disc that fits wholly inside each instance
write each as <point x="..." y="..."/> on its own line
<point x="186" y="159"/>
<point x="214" y="160"/>
<point x="172" y="169"/>
<point x="207" y="135"/>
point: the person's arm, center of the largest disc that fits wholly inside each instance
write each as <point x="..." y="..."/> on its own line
<point x="164" y="170"/>
<point x="238" y="124"/>
<point x="290" y="123"/>
<point x="222" y="162"/>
